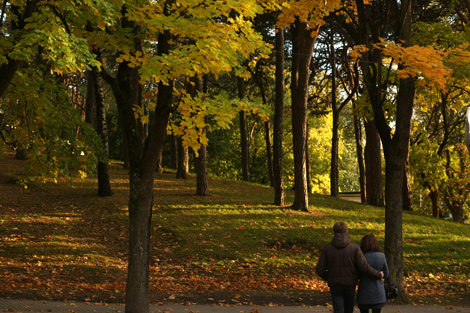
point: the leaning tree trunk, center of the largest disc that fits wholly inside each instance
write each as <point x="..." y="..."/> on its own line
<point x="302" y="49"/>
<point x="278" y="167"/>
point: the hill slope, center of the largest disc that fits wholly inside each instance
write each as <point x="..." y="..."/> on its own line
<point x="61" y="241"/>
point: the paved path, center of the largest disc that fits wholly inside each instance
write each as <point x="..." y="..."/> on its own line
<point x="24" y="306"/>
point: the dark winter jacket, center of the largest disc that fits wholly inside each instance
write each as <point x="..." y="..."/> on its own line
<point x="372" y="291"/>
<point x="341" y="261"/>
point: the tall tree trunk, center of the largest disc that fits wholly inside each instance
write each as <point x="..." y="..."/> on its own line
<point x="160" y="162"/>
<point x="334" y="169"/>
<point x="407" y="192"/>
<point x="302" y="49"/>
<point x="243" y="134"/>
<point x="267" y="132"/>
<point x="90" y="102"/>
<point x="269" y="156"/>
<point x="360" y="157"/>
<point x="278" y="167"/>
<point x="373" y="160"/>
<point x="395" y="144"/>
<point x="434" y="196"/>
<point x="396" y="151"/>
<point x="142" y="164"/>
<point x="173" y="152"/>
<point x="183" y="160"/>
<point x="309" y="167"/>
<point x="202" y="184"/>
<point x="104" y="183"/>
<point x="18" y="24"/>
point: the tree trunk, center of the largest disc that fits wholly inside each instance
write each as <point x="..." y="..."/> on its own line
<point x="104" y="183"/>
<point x="267" y="133"/>
<point x="9" y="68"/>
<point x="269" y="157"/>
<point x="334" y="169"/>
<point x="395" y="144"/>
<point x="142" y="164"/>
<point x="202" y="185"/>
<point x="360" y="157"/>
<point x="373" y="160"/>
<point x="302" y="49"/>
<point x="407" y="192"/>
<point x="278" y="167"/>
<point x="243" y="135"/>
<point x="434" y="196"/>
<point x="309" y="168"/>
<point x="173" y="152"/>
<point x="90" y="102"/>
<point x="183" y="160"/>
<point x="160" y="163"/>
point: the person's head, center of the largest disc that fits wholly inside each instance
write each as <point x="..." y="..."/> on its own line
<point x="340" y="228"/>
<point x="369" y="244"/>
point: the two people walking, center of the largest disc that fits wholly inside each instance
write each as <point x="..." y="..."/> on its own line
<point x="343" y="264"/>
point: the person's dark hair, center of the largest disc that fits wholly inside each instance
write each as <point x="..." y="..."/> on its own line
<point x="369" y="243"/>
<point x="340" y="227"/>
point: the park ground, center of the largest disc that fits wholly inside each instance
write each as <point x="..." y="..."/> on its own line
<point x="60" y="241"/>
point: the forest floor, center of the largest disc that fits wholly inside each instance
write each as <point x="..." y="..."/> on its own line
<point x="60" y="241"/>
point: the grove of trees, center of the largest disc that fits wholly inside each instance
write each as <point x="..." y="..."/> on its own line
<point x="318" y="97"/>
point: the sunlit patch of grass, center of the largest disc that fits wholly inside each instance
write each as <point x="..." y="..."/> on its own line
<point x="61" y="241"/>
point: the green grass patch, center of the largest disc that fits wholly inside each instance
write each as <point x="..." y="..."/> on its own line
<point x="61" y="241"/>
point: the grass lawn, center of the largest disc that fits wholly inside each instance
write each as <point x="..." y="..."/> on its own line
<point x="61" y="241"/>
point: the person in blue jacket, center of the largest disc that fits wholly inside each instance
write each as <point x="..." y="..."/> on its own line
<point x="371" y="292"/>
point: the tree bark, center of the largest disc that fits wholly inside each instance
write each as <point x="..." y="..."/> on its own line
<point x="104" y="182"/>
<point x="243" y="135"/>
<point x="160" y="163"/>
<point x="395" y="144"/>
<point x="173" y="152"/>
<point x="18" y="24"/>
<point x="267" y="133"/>
<point x="302" y="49"/>
<point x="360" y="157"/>
<point x="202" y="184"/>
<point x="407" y="191"/>
<point x="278" y="160"/>
<point x="373" y="161"/>
<point x="142" y="164"/>
<point x="334" y="166"/>
<point x="183" y="160"/>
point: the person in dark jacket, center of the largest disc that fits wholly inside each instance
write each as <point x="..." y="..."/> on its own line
<point x="371" y="292"/>
<point x="340" y="263"/>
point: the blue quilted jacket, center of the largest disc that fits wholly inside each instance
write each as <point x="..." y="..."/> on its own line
<point x="372" y="291"/>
